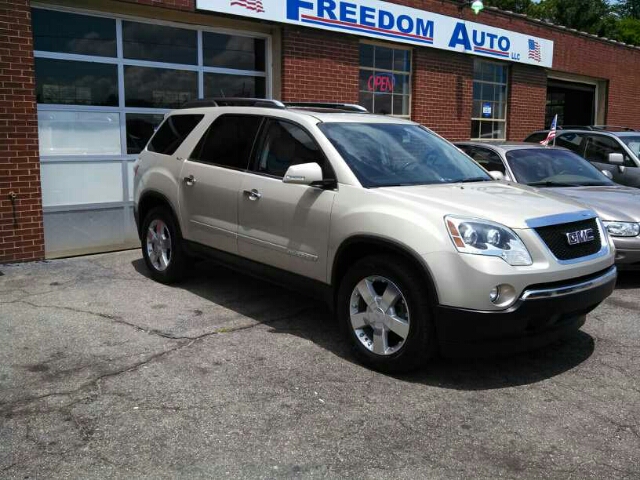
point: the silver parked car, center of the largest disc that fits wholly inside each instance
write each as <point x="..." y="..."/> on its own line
<point x="562" y="172"/>
<point x="615" y="150"/>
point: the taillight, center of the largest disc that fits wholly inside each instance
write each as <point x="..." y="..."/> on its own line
<point x="135" y="170"/>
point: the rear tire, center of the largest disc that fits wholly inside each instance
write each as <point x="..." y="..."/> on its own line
<point x="384" y="309"/>
<point x="162" y="247"/>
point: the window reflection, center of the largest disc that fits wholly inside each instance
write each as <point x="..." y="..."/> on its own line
<point x="144" y="41"/>
<point x="221" y="85"/>
<point x="233" y="51"/>
<point x="73" y="33"/>
<point x="76" y="83"/>
<point x="158" y="87"/>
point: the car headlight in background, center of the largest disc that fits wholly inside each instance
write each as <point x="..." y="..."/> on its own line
<point x="483" y="237"/>
<point x="622" y="229"/>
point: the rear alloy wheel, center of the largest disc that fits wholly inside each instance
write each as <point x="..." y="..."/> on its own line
<point x="162" y="247"/>
<point x="384" y="309"/>
<point x="159" y="246"/>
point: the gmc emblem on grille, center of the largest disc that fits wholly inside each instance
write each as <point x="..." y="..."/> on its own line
<point x="581" y="236"/>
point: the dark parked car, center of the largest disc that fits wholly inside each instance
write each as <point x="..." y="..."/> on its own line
<point x="615" y="151"/>
<point x="562" y="172"/>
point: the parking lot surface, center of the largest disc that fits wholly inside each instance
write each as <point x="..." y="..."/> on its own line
<point x="105" y="373"/>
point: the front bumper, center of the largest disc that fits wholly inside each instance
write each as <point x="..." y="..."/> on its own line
<point x="543" y="314"/>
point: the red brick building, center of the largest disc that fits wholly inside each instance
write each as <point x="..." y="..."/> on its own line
<point x="83" y="84"/>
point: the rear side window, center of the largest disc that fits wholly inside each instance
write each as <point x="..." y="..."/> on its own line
<point x="228" y="141"/>
<point x="172" y="133"/>
<point x="572" y="141"/>
<point x="536" y="137"/>
<point x="489" y="160"/>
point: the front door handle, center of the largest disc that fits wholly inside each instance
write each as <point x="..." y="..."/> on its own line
<point x="253" y="194"/>
<point x="190" y="180"/>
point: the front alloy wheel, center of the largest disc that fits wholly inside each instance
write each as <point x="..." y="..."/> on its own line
<point x="384" y="308"/>
<point x="379" y="315"/>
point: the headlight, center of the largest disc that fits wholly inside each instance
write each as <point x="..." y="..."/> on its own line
<point x="482" y="237"/>
<point x="622" y="229"/>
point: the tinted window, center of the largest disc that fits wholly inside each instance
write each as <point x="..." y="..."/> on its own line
<point x="158" y="87"/>
<point x="172" y="133"/>
<point x="77" y="83"/>
<point x="140" y="128"/>
<point x="599" y="147"/>
<point x="487" y="159"/>
<point x="284" y="145"/>
<point x="400" y="154"/>
<point x="228" y="141"/>
<point x="233" y="51"/>
<point x="145" y="41"/>
<point x="572" y="141"/>
<point x="536" y="137"/>
<point x="553" y="167"/>
<point x="72" y="33"/>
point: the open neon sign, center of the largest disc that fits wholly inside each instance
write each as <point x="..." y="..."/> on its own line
<point x="382" y="82"/>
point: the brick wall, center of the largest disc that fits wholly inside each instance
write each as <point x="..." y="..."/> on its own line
<point x="442" y="92"/>
<point x="21" y="238"/>
<point x="319" y="66"/>
<point x="527" y="100"/>
<point x="188" y="5"/>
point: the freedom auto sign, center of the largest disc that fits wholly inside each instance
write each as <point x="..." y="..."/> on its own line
<point x="387" y="21"/>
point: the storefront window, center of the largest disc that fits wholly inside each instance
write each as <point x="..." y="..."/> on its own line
<point x="385" y="79"/>
<point x="65" y="82"/>
<point x="144" y="41"/>
<point x="489" y="114"/>
<point x="71" y="33"/>
<point x="159" y="68"/>
<point x="233" y="51"/>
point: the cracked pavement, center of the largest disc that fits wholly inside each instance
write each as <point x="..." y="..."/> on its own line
<point x="105" y="373"/>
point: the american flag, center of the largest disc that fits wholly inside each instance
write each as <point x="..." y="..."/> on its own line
<point x="255" y="5"/>
<point x="534" y="51"/>
<point x="552" y="132"/>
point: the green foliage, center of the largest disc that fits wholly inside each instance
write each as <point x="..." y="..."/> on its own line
<point x="619" y="20"/>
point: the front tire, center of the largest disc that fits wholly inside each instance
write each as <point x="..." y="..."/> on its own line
<point x="162" y="246"/>
<point x="384" y="310"/>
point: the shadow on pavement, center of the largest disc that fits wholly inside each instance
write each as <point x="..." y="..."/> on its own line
<point x="316" y="324"/>
<point x="628" y="279"/>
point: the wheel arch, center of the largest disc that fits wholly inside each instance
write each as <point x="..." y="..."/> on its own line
<point x="151" y="199"/>
<point x="357" y="247"/>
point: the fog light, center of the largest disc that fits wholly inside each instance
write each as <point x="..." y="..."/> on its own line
<point x="494" y="294"/>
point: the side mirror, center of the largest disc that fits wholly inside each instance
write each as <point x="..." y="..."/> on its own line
<point x="303" y="174"/>
<point x="607" y="174"/>
<point x="496" y="175"/>
<point x="616" y="159"/>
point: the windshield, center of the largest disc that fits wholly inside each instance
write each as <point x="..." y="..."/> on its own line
<point x="553" y="168"/>
<point x="633" y="143"/>
<point x="383" y="155"/>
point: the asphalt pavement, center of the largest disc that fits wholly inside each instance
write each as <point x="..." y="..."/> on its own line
<point x="107" y="374"/>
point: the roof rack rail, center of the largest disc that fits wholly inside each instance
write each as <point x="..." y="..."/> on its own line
<point x="233" y="102"/>
<point x="345" y="107"/>
<point x="614" y="127"/>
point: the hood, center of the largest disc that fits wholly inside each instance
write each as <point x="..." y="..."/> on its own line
<point x="610" y="202"/>
<point x="509" y="204"/>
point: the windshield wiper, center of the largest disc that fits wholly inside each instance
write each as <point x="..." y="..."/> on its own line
<point x="473" y="180"/>
<point x="552" y="184"/>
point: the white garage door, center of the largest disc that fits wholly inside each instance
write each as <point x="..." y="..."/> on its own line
<point x="103" y="85"/>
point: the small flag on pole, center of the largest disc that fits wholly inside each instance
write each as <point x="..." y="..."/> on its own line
<point x="552" y="133"/>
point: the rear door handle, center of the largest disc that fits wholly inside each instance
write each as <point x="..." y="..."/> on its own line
<point x="190" y="180"/>
<point x="253" y="194"/>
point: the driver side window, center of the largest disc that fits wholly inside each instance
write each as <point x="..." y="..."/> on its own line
<point x="285" y="144"/>
<point x="599" y="147"/>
